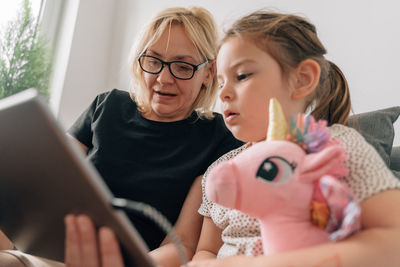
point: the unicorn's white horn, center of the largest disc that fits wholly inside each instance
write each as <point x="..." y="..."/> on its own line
<point x="277" y="125"/>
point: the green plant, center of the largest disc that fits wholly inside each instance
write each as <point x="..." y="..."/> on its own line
<point x="25" y="59"/>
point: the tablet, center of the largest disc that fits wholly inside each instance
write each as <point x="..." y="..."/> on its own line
<point x="44" y="176"/>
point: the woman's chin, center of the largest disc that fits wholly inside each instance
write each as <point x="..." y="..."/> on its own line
<point x="166" y="114"/>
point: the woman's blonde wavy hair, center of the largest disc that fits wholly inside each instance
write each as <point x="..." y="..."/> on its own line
<point x="201" y="30"/>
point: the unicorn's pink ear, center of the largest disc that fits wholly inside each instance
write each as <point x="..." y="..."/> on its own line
<point x="328" y="161"/>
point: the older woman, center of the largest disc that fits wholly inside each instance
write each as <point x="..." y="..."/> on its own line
<point x="151" y="144"/>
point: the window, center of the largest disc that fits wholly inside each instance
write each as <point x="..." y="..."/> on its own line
<point x="9" y="9"/>
<point x="25" y="57"/>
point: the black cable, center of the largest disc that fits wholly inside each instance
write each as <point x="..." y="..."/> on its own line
<point x="154" y="215"/>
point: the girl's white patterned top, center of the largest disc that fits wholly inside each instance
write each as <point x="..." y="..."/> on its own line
<point x="368" y="175"/>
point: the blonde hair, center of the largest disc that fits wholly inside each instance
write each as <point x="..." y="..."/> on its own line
<point x="201" y="30"/>
<point x="290" y="39"/>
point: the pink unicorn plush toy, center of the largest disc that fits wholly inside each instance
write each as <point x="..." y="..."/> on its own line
<point x="290" y="182"/>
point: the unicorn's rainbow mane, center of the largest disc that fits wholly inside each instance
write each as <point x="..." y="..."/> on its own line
<point x="311" y="135"/>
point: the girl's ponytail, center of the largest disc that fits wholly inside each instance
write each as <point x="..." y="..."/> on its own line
<point x="334" y="103"/>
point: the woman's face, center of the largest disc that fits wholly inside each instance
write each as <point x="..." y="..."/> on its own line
<point x="248" y="77"/>
<point x="172" y="99"/>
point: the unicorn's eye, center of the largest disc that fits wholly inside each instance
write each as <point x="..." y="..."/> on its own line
<point x="275" y="170"/>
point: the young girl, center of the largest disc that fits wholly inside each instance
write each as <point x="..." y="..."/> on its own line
<point x="267" y="55"/>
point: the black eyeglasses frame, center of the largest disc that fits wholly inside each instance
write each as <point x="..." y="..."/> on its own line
<point x="168" y="63"/>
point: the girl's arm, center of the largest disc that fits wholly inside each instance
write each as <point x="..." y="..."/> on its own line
<point x="5" y="243"/>
<point x="376" y="245"/>
<point x="188" y="227"/>
<point x="210" y="241"/>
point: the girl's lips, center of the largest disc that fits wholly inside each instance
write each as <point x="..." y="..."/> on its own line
<point x="230" y="116"/>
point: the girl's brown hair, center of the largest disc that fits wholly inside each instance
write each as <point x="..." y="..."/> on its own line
<point x="290" y="39"/>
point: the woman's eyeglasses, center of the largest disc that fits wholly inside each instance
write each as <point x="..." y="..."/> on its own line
<point x="179" y="69"/>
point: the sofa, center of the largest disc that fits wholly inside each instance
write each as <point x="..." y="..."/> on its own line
<point x="377" y="129"/>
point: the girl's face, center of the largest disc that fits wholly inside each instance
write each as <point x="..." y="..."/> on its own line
<point x="248" y="77"/>
<point x="172" y="99"/>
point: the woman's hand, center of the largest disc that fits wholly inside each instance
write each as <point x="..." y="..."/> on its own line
<point x="84" y="247"/>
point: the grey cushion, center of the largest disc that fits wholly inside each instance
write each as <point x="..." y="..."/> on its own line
<point x="377" y="129"/>
<point x="395" y="161"/>
<point x="395" y="158"/>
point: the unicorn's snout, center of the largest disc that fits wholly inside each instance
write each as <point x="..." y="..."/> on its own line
<point x="221" y="186"/>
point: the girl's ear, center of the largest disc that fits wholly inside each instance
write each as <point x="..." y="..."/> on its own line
<point x="307" y="75"/>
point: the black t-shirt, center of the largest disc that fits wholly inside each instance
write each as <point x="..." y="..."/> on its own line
<point x="149" y="161"/>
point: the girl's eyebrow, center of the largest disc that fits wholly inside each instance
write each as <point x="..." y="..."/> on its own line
<point x="241" y="62"/>
<point x="236" y="64"/>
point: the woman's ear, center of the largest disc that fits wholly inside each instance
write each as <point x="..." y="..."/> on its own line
<point x="307" y="75"/>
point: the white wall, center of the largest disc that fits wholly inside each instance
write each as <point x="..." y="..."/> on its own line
<point x="362" y="37"/>
<point x="83" y="53"/>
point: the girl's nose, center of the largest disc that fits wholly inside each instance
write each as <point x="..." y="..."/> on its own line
<point x="226" y="92"/>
